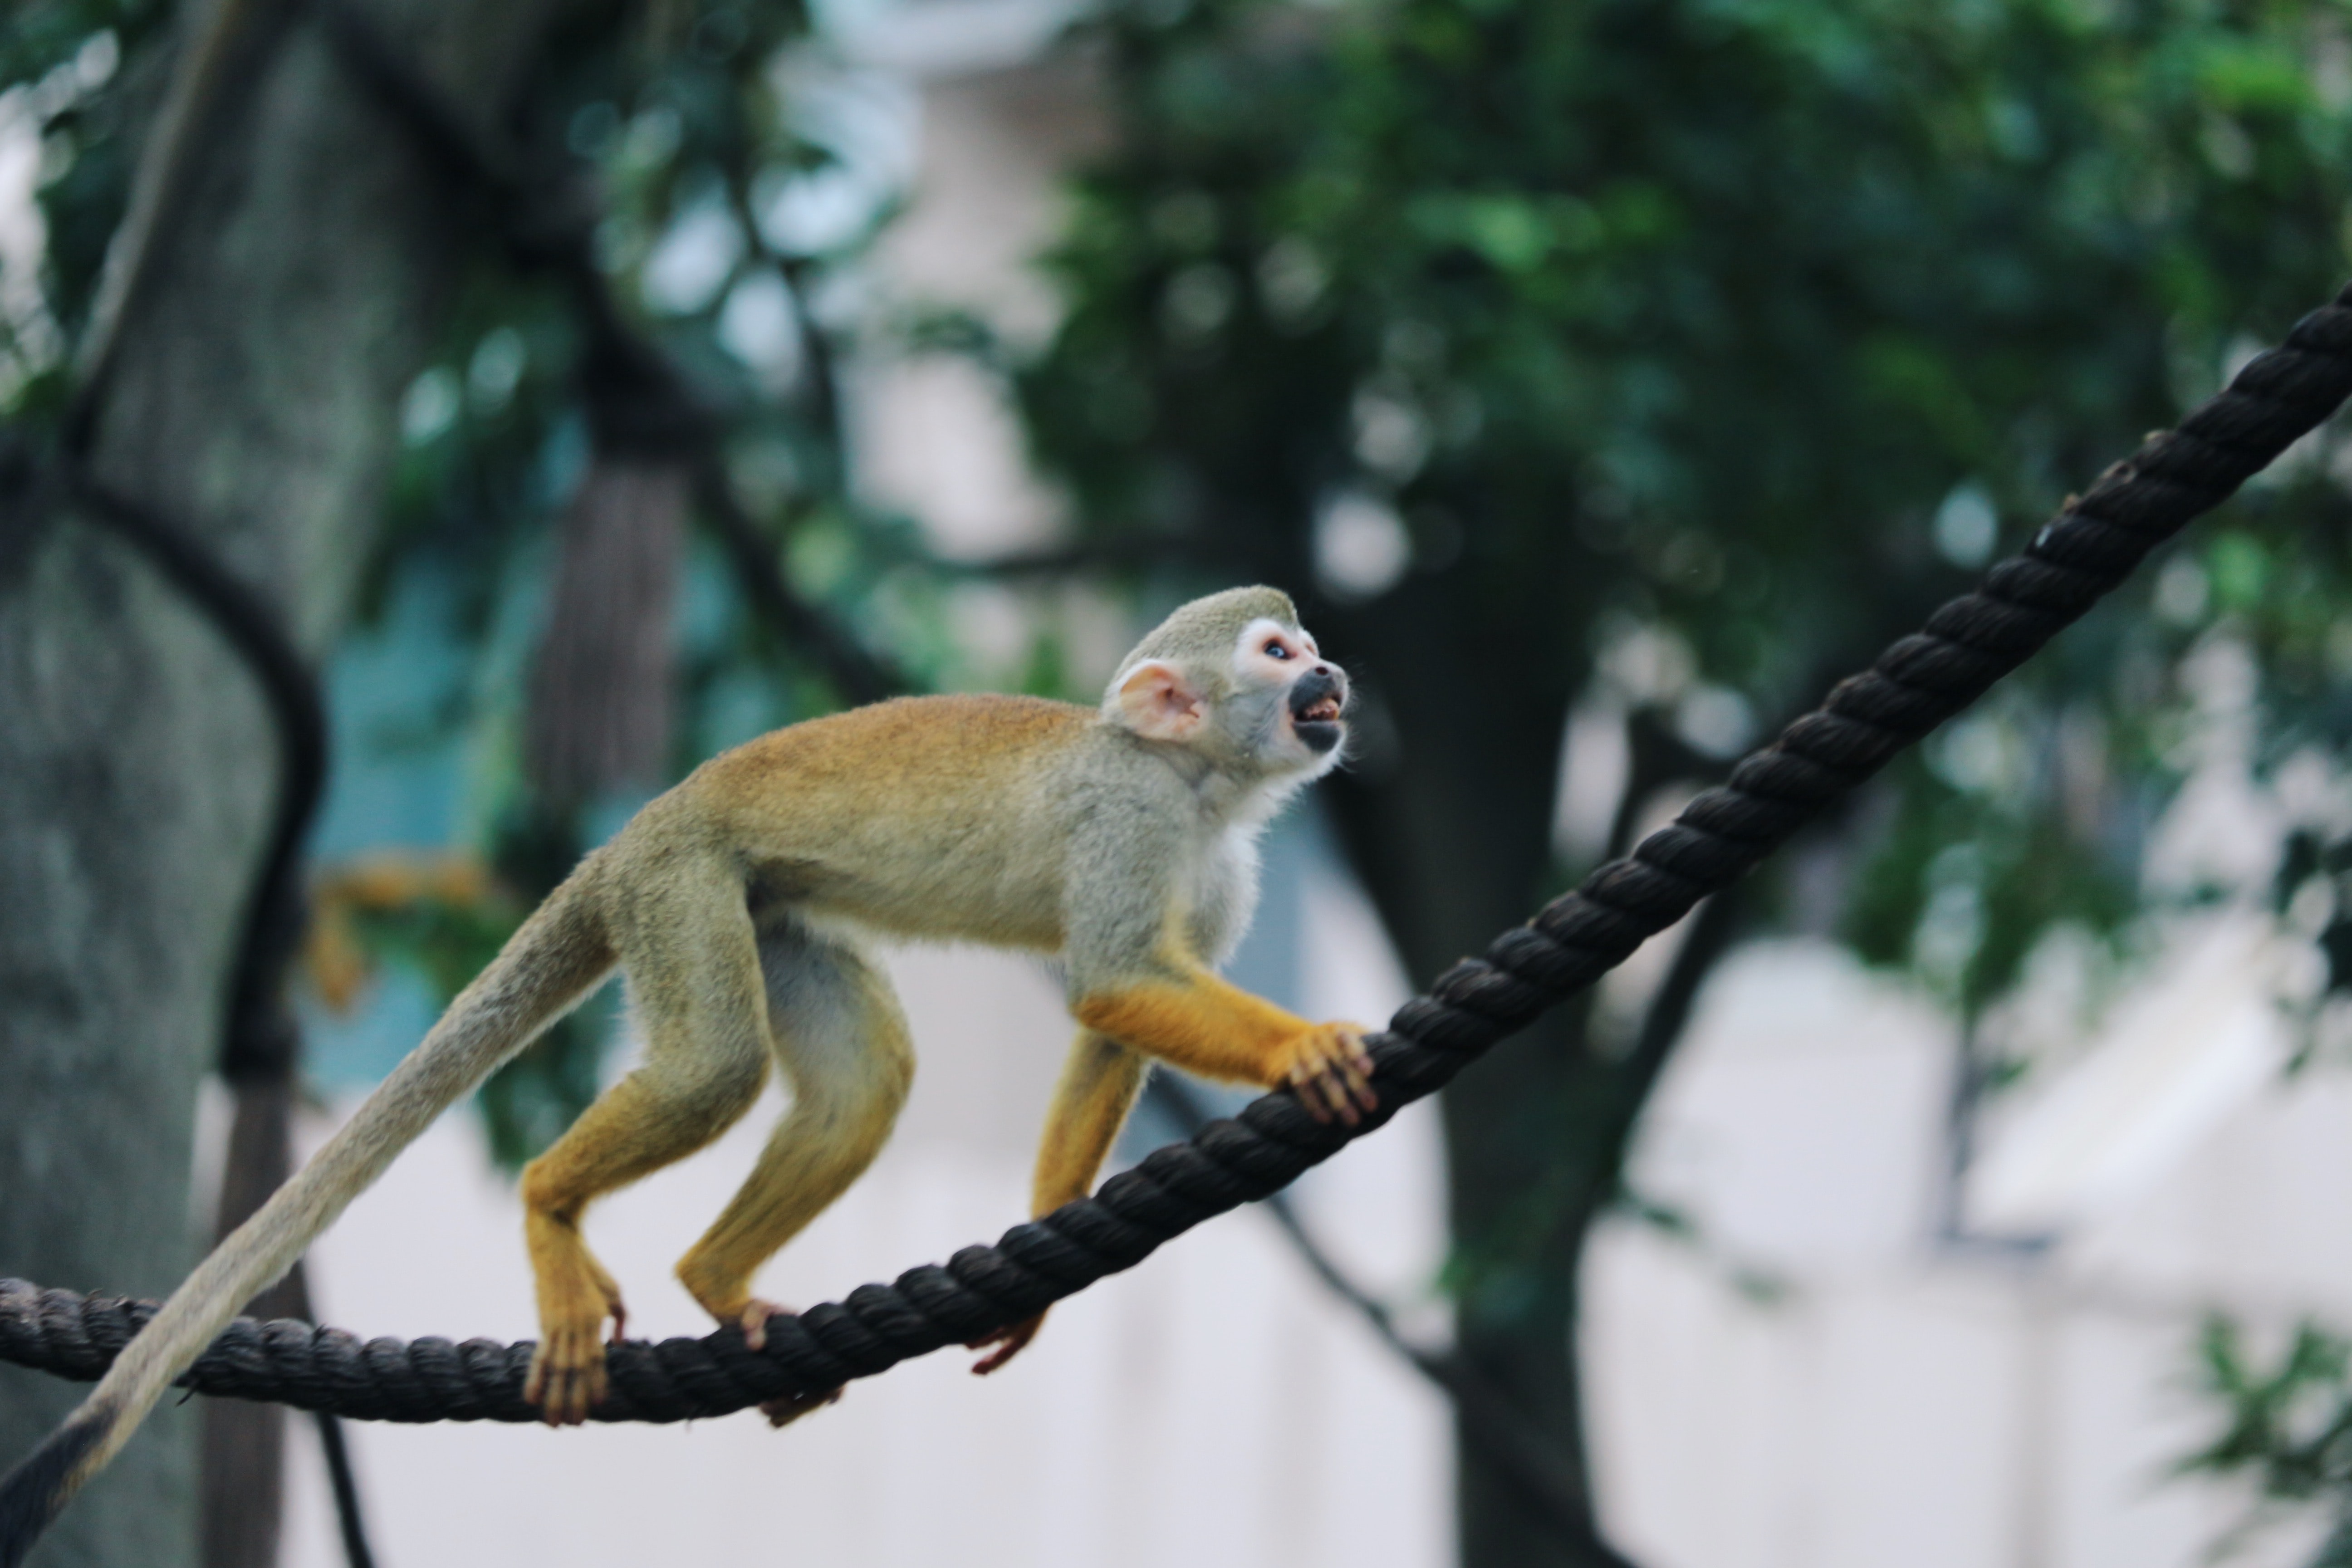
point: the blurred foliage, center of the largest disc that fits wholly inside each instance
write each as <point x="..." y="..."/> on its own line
<point x="1744" y="329"/>
<point x="2289" y="1432"/>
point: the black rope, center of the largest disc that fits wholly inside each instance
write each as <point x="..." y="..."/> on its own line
<point x="2094" y="544"/>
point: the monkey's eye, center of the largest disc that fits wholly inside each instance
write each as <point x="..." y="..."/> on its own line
<point x="1275" y="649"/>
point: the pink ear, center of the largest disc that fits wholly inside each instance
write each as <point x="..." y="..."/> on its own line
<point x="1159" y="704"/>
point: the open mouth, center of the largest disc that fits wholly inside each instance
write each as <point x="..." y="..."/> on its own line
<point x="1315" y="709"/>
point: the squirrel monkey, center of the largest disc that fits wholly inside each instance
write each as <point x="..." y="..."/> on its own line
<point x="1121" y="839"/>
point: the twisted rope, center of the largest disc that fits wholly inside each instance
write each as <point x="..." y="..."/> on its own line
<point x="2094" y="544"/>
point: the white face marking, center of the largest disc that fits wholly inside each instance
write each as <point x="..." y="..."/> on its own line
<point x="1270" y="655"/>
<point x="1269" y="651"/>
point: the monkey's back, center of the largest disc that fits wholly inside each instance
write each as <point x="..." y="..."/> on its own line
<point x="922" y="816"/>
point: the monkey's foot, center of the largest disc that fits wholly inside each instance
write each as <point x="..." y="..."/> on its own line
<point x="752" y="1318"/>
<point x="1331" y="1073"/>
<point x="1008" y="1341"/>
<point x="567" y="1372"/>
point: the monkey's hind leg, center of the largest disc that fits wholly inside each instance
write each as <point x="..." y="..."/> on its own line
<point x="685" y="943"/>
<point x="1097" y="1088"/>
<point x="845" y="1048"/>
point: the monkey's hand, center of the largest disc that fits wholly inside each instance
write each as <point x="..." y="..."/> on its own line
<point x="1332" y="1072"/>
<point x="1008" y="1341"/>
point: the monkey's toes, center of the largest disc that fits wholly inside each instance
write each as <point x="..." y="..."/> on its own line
<point x="753" y="1321"/>
<point x="567" y="1374"/>
<point x="1009" y="1341"/>
<point x="784" y="1412"/>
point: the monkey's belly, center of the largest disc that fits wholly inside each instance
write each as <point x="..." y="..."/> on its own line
<point x="955" y="899"/>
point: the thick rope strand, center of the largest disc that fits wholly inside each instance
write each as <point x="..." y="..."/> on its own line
<point x="2094" y="544"/>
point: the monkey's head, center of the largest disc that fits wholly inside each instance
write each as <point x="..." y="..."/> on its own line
<point x="1235" y="678"/>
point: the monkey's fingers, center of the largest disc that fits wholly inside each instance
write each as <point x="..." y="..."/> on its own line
<point x="1355" y="1067"/>
<point x="784" y="1412"/>
<point x="1009" y="1341"/>
<point x="1322" y="1098"/>
<point x="1331" y="1073"/>
<point x="1329" y="1085"/>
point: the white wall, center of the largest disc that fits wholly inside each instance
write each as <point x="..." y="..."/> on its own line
<point x="1904" y="1399"/>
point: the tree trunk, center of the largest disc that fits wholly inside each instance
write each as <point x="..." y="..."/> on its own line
<point x="605" y="683"/>
<point x="1452" y="831"/>
<point x="1452" y="834"/>
<point x="252" y="402"/>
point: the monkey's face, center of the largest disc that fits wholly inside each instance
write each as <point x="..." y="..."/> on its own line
<point x="1232" y="680"/>
<point x="1303" y="695"/>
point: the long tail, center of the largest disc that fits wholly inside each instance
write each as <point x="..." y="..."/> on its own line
<point x="557" y="956"/>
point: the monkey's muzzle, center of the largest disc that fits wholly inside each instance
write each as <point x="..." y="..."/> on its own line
<point x="1316" y="700"/>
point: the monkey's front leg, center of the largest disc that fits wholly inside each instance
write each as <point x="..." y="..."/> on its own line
<point x="1099" y="1087"/>
<point x="1200" y="1023"/>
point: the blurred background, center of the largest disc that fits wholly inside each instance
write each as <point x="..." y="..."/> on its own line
<point x="433" y="427"/>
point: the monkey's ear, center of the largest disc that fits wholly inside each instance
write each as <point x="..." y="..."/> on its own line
<point x="1159" y="704"/>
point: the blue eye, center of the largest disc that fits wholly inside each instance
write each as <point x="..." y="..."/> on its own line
<point x="1276" y="650"/>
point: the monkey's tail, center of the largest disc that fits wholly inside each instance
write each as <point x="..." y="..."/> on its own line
<point x="557" y="958"/>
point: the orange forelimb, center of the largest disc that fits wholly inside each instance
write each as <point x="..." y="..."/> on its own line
<point x="1198" y="1023"/>
<point x="1207" y="1025"/>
